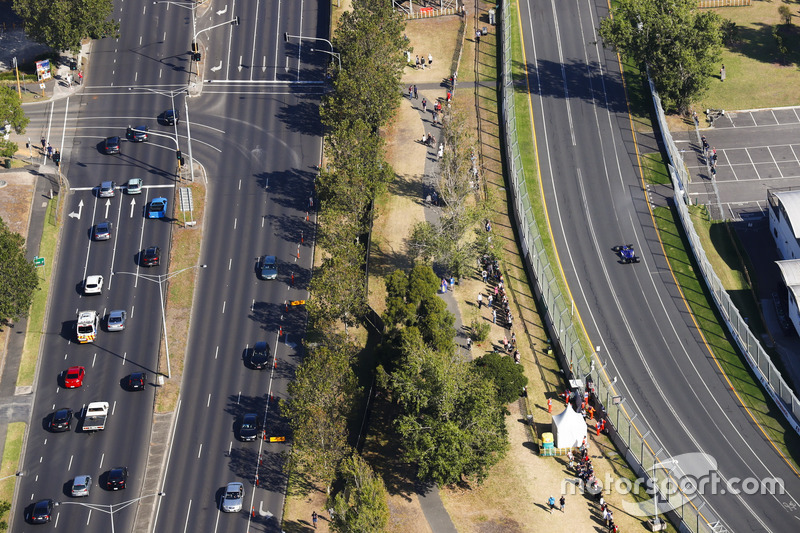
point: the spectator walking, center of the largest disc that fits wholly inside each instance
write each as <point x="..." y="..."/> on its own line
<point x="415" y="92"/>
<point x="551" y="503"/>
<point x="44" y="144"/>
<point x="49" y="150"/>
<point x="480" y="300"/>
<point x="722" y="73"/>
<point x="561" y="502"/>
<point x="314" y="519"/>
<point x="494" y="316"/>
<point x="424" y="105"/>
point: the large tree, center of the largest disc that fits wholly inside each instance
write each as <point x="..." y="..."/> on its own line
<point x="679" y="42"/>
<point x="11" y="111"/>
<point x="321" y="398"/>
<point x="18" y="278"/>
<point x="361" y="506"/>
<point x="507" y="376"/>
<point x="61" y="24"/>
<point x="451" y="425"/>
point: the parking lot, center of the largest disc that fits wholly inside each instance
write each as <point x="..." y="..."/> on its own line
<point x="757" y="150"/>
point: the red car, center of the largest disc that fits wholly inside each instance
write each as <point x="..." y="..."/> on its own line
<point x="73" y="377"/>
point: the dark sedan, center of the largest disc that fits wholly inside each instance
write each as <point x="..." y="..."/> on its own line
<point x="42" y="512"/>
<point x="137" y="134"/>
<point x="151" y="256"/>
<point x="61" y="420"/>
<point x="137" y="381"/>
<point x="117" y="478"/>
<point x="248" y="429"/>
<point x="258" y="358"/>
<point x="112" y="145"/>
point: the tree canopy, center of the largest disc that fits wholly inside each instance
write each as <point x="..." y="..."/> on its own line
<point x="451" y="425"/>
<point x="506" y="375"/>
<point x="321" y="397"/>
<point x="362" y="504"/>
<point x="678" y="42"/>
<point x="11" y="110"/>
<point x="61" y="24"/>
<point x="18" y="277"/>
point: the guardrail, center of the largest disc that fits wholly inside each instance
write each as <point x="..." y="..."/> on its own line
<point x="557" y="314"/>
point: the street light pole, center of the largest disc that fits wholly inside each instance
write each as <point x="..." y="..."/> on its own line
<point x="160" y="279"/>
<point x="338" y="56"/>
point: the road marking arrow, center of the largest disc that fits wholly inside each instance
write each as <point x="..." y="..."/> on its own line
<point x="108" y="205"/>
<point x="264" y="64"/>
<point x="240" y="63"/>
<point x="133" y="204"/>
<point x="262" y="512"/>
<point x="78" y="214"/>
<point x="214" y="69"/>
<point x="222" y="12"/>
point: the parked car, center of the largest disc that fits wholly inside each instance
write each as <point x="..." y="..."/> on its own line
<point x="116" y="320"/>
<point x="81" y="485"/>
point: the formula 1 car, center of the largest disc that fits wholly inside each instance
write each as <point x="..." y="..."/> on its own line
<point x="626" y="254"/>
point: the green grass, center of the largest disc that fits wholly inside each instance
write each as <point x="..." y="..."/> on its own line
<point x="719" y="342"/>
<point x="12" y="451"/>
<point x="33" y="335"/>
<point x="654" y="169"/>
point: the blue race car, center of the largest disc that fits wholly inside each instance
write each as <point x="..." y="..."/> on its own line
<point x="626" y="254"/>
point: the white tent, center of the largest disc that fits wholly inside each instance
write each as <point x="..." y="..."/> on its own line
<point x="569" y="429"/>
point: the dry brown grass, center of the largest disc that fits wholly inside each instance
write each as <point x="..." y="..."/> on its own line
<point x="184" y="253"/>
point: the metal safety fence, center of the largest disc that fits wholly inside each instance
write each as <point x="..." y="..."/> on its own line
<point x="688" y="514"/>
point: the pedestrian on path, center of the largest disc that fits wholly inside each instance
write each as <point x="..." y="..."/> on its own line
<point x="430" y="60"/>
<point x="490" y="301"/>
<point x="561" y="502"/>
<point x="551" y="503"/>
<point x="477" y="37"/>
<point x="494" y="316"/>
<point x="410" y="92"/>
<point x="415" y="92"/>
<point x="480" y="300"/>
<point x="49" y="150"/>
<point x="484" y="274"/>
<point x="44" y="144"/>
<point x="424" y="105"/>
<point x="416" y="62"/>
<point x="469" y="343"/>
<point x="722" y="73"/>
<point x="314" y="519"/>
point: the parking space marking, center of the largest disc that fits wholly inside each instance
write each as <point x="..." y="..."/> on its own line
<point x="747" y="151"/>
<point x="774" y="161"/>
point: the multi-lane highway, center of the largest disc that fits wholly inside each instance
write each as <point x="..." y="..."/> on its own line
<point x="254" y="128"/>
<point x="635" y="313"/>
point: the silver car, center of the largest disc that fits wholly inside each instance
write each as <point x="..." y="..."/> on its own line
<point x="134" y="186"/>
<point x="234" y="496"/>
<point x="81" y="485"/>
<point x="116" y="320"/>
<point x="107" y="189"/>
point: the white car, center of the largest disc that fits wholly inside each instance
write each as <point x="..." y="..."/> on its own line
<point x="93" y="285"/>
<point x="234" y="496"/>
<point x="134" y="186"/>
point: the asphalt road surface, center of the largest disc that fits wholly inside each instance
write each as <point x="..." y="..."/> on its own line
<point x="257" y="134"/>
<point x="634" y="313"/>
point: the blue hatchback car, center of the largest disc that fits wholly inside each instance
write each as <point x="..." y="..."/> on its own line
<point x="157" y="208"/>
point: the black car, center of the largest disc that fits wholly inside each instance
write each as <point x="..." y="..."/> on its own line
<point x="61" y="420"/>
<point x="258" y="358"/>
<point x="112" y="145"/>
<point x="172" y="117"/>
<point x="137" y="381"/>
<point x="151" y="256"/>
<point x="137" y="134"/>
<point x="42" y="512"/>
<point x="248" y="429"/>
<point x="117" y="478"/>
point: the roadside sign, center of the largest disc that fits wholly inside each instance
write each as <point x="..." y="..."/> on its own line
<point x="298" y="302"/>
<point x="43" y="69"/>
<point x="277" y="439"/>
<point x="38" y="261"/>
<point x="41" y="86"/>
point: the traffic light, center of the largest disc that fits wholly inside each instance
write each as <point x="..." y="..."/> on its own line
<point x="194" y="47"/>
<point x="178" y="154"/>
<point x="196" y="56"/>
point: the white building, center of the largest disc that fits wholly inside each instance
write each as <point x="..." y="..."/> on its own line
<point x="790" y="272"/>
<point x="784" y="222"/>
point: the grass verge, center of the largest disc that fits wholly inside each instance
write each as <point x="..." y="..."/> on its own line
<point x="717" y="338"/>
<point x="184" y="255"/>
<point x="12" y="451"/>
<point x="33" y="335"/>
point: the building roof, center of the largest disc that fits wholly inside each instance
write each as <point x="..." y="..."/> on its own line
<point x="790" y="271"/>
<point x="791" y="204"/>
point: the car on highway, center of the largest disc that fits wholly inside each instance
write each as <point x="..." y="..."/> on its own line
<point x="61" y="420"/>
<point x="81" y="485"/>
<point x="626" y="253"/>
<point x="117" y="478"/>
<point x="93" y="284"/>
<point x="258" y="357"/>
<point x="268" y="267"/>
<point x="42" y="512"/>
<point x="248" y="427"/>
<point x="137" y="134"/>
<point x="172" y="117"/>
<point x="102" y="231"/>
<point x="116" y="320"/>
<point x="151" y="256"/>
<point x="157" y="208"/>
<point x="112" y="145"/>
<point x="73" y="377"/>
<point x="234" y="496"/>
<point x="107" y="189"/>
<point x="134" y="186"/>
<point x="137" y="381"/>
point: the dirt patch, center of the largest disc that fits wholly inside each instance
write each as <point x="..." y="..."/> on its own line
<point x="15" y="200"/>
<point x="437" y="37"/>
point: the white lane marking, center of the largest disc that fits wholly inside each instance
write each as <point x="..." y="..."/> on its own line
<point x="223" y="307"/>
<point x="89" y="517"/>
<point x="69" y="466"/>
<point x="133" y="309"/>
<point x="58" y="515"/>
<point x="124" y="357"/>
<point x="169" y="458"/>
<point x="113" y="407"/>
<point x="208" y="403"/>
<point x="239" y="398"/>
<point x="185" y="527"/>
<point x="89" y="246"/>
<point x="94" y="359"/>
<point x="216" y="352"/>
<point x="277" y="45"/>
<point x="235" y="220"/>
<point x="200" y="451"/>
<point x="101" y="460"/>
<point x="230" y="261"/>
